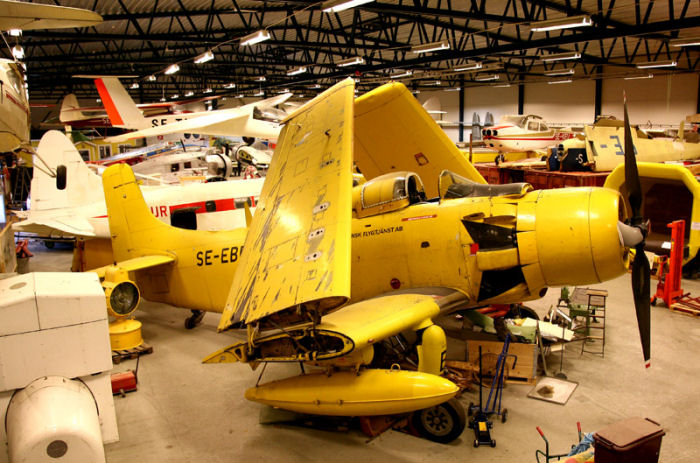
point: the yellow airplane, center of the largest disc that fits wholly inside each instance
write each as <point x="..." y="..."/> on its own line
<point x="602" y="148"/>
<point x="330" y="272"/>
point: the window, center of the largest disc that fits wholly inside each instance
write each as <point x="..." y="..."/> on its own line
<point x="188" y="165"/>
<point x="533" y="125"/>
<point x="124" y="148"/>
<point x="210" y="206"/>
<point x="105" y="151"/>
<point x="85" y="154"/>
<point x="174" y="167"/>
<point x="240" y="202"/>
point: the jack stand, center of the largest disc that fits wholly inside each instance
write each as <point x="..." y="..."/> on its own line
<point x="480" y="423"/>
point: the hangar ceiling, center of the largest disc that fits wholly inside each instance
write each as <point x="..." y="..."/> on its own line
<point x="142" y="38"/>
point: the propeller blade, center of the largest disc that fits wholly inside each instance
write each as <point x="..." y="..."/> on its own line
<point x="642" y="303"/>
<point x="634" y="187"/>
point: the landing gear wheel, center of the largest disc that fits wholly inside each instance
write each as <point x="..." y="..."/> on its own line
<point x="194" y="320"/>
<point x="49" y="244"/>
<point x="504" y="415"/>
<point x="493" y="442"/>
<point x="499" y="159"/>
<point x="476" y="443"/>
<point x="442" y="423"/>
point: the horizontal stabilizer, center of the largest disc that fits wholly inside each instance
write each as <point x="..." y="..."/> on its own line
<point x="138" y="263"/>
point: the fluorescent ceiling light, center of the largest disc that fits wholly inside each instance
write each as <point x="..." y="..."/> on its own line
<point x="207" y="90"/>
<point x="454" y="89"/>
<point x="189" y="93"/>
<point x="255" y="37"/>
<point x="172" y="69"/>
<point x="283" y="90"/>
<point x="560" y="72"/>
<point x="502" y="86"/>
<point x="646" y="76"/>
<point x="134" y="85"/>
<point x="561" y="56"/>
<point x="429" y="47"/>
<point x="18" y="52"/>
<point x="687" y="42"/>
<point x="230" y="85"/>
<point x="162" y="99"/>
<point x="15" y="32"/>
<point x="563" y="81"/>
<point x="151" y="78"/>
<point x="260" y="78"/>
<point x="415" y="92"/>
<point x="204" y="57"/>
<point x="436" y="111"/>
<point x="487" y="77"/>
<point x="400" y="74"/>
<point x="296" y="71"/>
<point x="435" y="83"/>
<point x="468" y="67"/>
<point x="174" y="97"/>
<point x="350" y="61"/>
<point x="334" y="6"/>
<point x="314" y="86"/>
<point x="98" y="100"/>
<point x="259" y="93"/>
<point x="568" y="22"/>
<point x="657" y="64"/>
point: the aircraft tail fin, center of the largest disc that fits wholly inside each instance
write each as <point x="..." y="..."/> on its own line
<point x="132" y="226"/>
<point x="61" y="177"/>
<point x="70" y="109"/>
<point x="121" y="109"/>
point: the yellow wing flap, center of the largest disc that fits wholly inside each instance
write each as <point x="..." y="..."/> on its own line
<point x="296" y="263"/>
<point x="393" y="133"/>
<point x="349" y="329"/>
<point x="137" y="263"/>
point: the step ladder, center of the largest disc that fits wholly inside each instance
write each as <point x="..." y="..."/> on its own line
<point x="594" y="335"/>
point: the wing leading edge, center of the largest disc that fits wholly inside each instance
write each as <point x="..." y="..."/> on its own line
<point x="296" y="264"/>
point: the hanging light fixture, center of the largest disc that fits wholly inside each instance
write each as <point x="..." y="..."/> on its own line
<point x="568" y="22"/>
<point x="430" y="47"/>
<point x="172" y="69"/>
<point x="204" y="57"/>
<point x="255" y="37"/>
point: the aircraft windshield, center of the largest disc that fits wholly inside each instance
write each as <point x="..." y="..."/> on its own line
<point x="515" y="120"/>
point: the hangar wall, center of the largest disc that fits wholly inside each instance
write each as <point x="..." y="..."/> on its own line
<point x="661" y="100"/>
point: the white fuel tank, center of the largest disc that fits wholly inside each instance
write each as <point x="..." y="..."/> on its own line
<point x="54" y="419"/>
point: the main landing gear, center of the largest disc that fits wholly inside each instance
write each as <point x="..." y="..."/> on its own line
<point x="442" y="423"/>
<point x="194" y="320"/>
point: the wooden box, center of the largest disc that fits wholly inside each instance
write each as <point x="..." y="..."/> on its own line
<point x="525" y="370"/>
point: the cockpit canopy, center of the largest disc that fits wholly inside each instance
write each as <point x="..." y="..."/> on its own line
<point x="386" y="193"/>
<point x="527" y="122"/>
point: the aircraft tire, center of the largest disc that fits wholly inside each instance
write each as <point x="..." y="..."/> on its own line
<point x="442" y="423"/>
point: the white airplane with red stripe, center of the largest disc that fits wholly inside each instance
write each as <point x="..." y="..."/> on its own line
<point x="522" y="133"/>
<point x="67" y="199"/>
<point x="123" y="112"/>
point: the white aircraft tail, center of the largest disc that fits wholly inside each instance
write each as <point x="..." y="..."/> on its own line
<point x="61" y="178"/>
<point x="121" y="109"/>
<point x="70" y="109"/>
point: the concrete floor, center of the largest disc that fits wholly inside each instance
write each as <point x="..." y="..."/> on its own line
<point x="185" y="411"/>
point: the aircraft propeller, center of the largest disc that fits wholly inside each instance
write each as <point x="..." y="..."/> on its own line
<point x="633" y="235"/>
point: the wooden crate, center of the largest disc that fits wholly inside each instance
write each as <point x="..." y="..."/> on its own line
<point x="525" y="371"/>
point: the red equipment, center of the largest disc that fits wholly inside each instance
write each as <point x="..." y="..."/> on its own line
<point x="669" y="286"/>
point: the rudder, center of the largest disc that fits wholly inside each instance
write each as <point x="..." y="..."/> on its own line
<point x="56" y="149"/>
